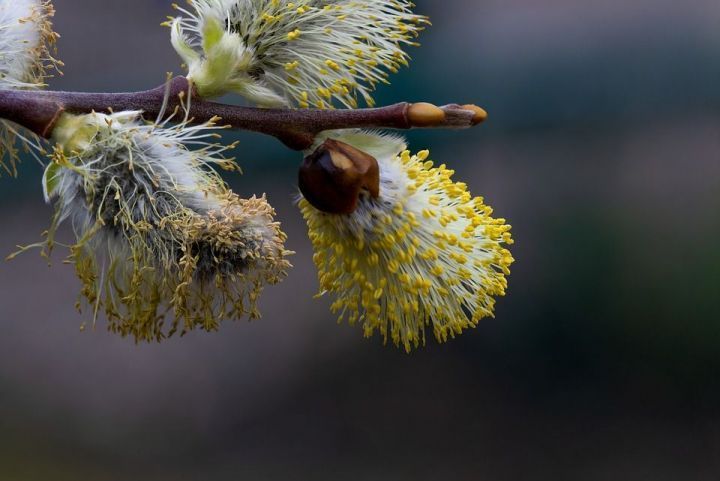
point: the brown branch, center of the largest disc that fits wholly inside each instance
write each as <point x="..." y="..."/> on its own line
<point x="38" y="111"/>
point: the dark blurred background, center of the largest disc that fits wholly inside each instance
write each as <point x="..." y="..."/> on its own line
<point x="602" y="150"/>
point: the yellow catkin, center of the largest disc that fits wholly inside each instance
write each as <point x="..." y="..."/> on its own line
<point x="397" y="271"/>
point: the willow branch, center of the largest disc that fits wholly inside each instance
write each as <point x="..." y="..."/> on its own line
<point x="39" y="111"/>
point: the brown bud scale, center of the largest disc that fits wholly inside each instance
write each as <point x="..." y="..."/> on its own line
<point x="334" y="177"/>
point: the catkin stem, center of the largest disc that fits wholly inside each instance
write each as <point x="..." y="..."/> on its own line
<point x="39" y="111"/>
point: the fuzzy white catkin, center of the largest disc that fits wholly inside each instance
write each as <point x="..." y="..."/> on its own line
<point x="20" y="37"/>
<point x="163" y="245"/>
<point x="26" y="37"/>
<point x="307" y="53"/>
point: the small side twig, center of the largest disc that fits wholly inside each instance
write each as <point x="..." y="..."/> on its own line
<point x="38" y="111"/>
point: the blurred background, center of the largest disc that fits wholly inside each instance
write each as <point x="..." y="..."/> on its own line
<point x="602" y="150"/>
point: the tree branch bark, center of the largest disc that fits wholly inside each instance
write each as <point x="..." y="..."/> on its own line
<point x="38" y="111"/>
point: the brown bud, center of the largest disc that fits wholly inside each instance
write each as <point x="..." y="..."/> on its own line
<point x="334" y="176"/>
<point x="480" y="113"/>
<point x="423" y="114"/>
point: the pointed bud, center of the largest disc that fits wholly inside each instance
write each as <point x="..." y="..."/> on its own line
<point x="334" y="177"/>
<point x="480" y="113"/>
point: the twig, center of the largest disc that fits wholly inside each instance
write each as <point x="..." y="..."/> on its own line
<point x="38" y="111"/>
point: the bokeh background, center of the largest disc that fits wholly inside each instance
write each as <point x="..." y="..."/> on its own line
<point x="602" y="150"/>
